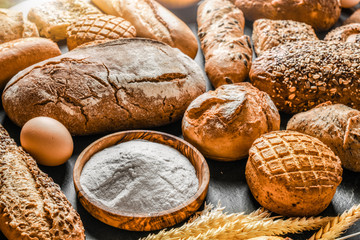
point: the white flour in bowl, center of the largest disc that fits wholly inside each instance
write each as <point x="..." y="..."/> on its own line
<point x="139" y="176"/>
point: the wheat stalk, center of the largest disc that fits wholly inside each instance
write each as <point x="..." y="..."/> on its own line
<point x="338" y="225"/>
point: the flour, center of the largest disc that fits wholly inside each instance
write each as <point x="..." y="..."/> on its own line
<point x="139" y="177"/>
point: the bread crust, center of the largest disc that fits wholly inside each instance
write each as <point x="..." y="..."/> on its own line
<point x="32" y="206"/>
<point x="227" y="51"/>
<point x="346" y="33"/>
<point x="321" y="14"/>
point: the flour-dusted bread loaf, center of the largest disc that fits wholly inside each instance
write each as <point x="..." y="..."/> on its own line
<point x="224" y="123"/>
<point x="120" y="84"/>
<point x="292" y="174"/>
<point x="299" y="76"/>
<point x="54" y="16"/>
<point x="346" y="33"/>
<point x="154" y="21"/>
<point x="227" y="51"/>
<point x="338" y="126"/>
<point x="321" y="14"/>
<point x="98" y="27"/>
<point x="19" y="54"/>
<point x="32" y="206"/>
<point x="269" y="33"/>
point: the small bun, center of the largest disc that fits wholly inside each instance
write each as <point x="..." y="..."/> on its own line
<point x="224" y="123"/>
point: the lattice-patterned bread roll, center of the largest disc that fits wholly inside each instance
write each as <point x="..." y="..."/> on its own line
<point x="292" y="174"/>
<point x="346" y="33"/>
<point x="98" y="27"/>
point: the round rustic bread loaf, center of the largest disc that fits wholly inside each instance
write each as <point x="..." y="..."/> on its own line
<point x="292" y="174"/>
<point x="121" y="84"/>
<point x="224" y="123"/>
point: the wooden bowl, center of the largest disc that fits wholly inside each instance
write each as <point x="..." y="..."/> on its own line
<point x="145" y="221"/>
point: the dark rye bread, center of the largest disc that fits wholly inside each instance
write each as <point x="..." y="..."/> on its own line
<point x="121" y="84"/>
<point x="32" y="206"/>
<point x="299" y="76"/>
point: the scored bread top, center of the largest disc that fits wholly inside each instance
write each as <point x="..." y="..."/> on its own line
<point x="296" y="159"/>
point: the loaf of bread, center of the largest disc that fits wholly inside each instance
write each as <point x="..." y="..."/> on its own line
<point x="154" y="21"/>
<point x="13" y="26"/>
<point x="98" y="27"/>
<point x="32" y="206"/>
<point x="354" y="18"/>
<point x="121" y="84"/>
<point x="269" y="33"/>
<point x="224" y="123"/>
<point x="19" y="54"/>
<point x="300" y="76"/>
<point x="338" y="126"/>
<point x="292" y="174"/>
<point x="227" y="51"/>
<point x="346" y="33"/>
<point x="54" y="16"/>
<point x="321" y="14"/>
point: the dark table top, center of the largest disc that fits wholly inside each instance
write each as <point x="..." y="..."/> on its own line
<point x="227" y="183"/>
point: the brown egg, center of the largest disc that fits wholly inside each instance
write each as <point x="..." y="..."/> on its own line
<point x="47" y="140"/>
<point x="349" y="3"/>
<point x="177" y="3"/>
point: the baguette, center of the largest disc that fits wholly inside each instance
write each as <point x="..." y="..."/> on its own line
<point x="152" y="20"/>
<point x="227" y="51"/>
<point x="32" y="206"/>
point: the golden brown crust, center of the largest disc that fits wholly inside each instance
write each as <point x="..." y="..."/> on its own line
<point x="224" y="123"/>
<point x="270" y="33"/>
<point x="346" y="33"/>
<point x="354" y="18"/>
<point x="227" y="51"/>
<point x="321" y="14"/>
<point x="292" y="174"/>
<point x="32" y="206"/>
<point x="19" y="54"/>
<point x="98" y="27"/>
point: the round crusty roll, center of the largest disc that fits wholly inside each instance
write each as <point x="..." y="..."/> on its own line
<point x="21" y="53"/>
<point x="224" y="123"/>
<point x="292" y="174"/>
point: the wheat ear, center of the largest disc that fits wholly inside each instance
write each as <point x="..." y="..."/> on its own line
<point x="338" y="225"/>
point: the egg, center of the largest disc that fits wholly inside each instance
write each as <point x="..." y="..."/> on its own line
<point x="47" y="140"/>
<point x="349" y="3"/>
<point x="177" y="3"/>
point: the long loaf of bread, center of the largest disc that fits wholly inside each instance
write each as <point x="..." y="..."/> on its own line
<point x="32" y="206"/>
<point x="227" y="51"/>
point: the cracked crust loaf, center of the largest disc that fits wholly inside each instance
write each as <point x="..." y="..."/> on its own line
<point x="321" y="14"/>
<point x="153" y="21"/>
<point x="292" y="174"/>
<point x="269" y="33"/>
<point x="338" y="126"/>
<point x="92" y="90"/>
<point x="227" y="51"/>
<point x="299" y="76"/>
<point x="32" y="206"/>
<point x="346" y="33"/>
<point x="224" y="123"/>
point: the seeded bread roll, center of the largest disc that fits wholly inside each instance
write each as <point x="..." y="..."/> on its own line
<point x="338" y="126"/>
<point x="32" y="206"/>
<point x="224" y="123"/>
<point x="292" y="174"/>
<point x="120" y="84"/>
<point x="346" y="33"/>
<point x="227" y="51"/>
<point x="270" y="33"/>
<point x="300" y="76"/>
<point x="321" y="14"/>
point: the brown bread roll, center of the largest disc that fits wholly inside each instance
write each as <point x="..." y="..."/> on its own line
<point x="98" y="27"/>
<point x="346" y="33"/>
<point x="154" y="21"/>
<point x="292" y="174"/>
<point x="269" y="33"/>
<point x="299" y="76"/>
<point x="32" y="206"/>
<point x="19" y="54"/>
<point x="92" y="90"/>
<point x="338" y="126"/>
<point x="354" y="18"/>
<point x="321" y="14"/>
<point x="224" y="123"/>
<point x="227" y="51"/>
